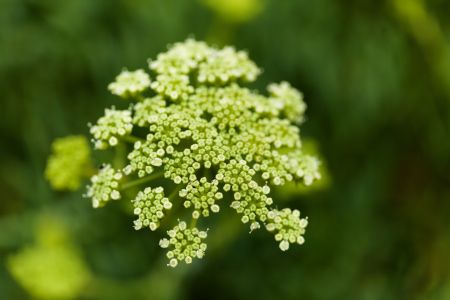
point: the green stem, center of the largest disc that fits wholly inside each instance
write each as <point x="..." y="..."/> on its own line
<point x="193" y="223"/>
<point x="174" y="193"/>
<point x="140" y="98"/>
<point x="175" y="206"/>
<point x="132" y="139"/>
<point x="141" y="180"/>
<point x="120" y="156"/>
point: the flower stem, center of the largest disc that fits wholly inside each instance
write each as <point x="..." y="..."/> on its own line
<point x="119" y="156"/>
<point x="174" y="193"/>
<point x="176" y="206"/>
<point x="131" y="139"/>
<point x="193" y="222"/>
<point x="141" y="180"/>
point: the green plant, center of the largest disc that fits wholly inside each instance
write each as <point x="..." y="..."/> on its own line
<point x="194" y="131"/>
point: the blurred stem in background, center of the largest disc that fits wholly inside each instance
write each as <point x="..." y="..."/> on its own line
<point x="426" y="31"/>
<point x="420" y="24"/>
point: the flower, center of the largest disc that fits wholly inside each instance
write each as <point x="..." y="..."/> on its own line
<point x="147" y="109"/>
<point x="288" y="101"/>
<point x="202" y="195"/>
<point x="287" y="226"/>
<point x="111" y="127"/>
<point x="104" y="186"/>
<point x="211" y="141"/>
<point x="130" y="83"/>
<point x="181" y="58"/>
<point x="184" y="244"/>
<point x="227" y="65"/>
<point x="149" y="206"/>
<point x="69" y="162"/>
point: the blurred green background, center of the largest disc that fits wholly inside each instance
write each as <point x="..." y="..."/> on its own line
<point x="376" y="78"/>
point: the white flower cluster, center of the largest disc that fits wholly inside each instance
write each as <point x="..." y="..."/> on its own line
<point x="175" y="86"/>
<point x="214" y="140"/>
<point x="149" y="206"/>
<point x="181" y="58"/>
<point x="210" y="66"/>
<point x="130" y="83"/>
<point x="104" y="186"/>
<point x="145" y="158"/>
<point x="288" y="100"/>
<point x="202" y="195"/>
<point x="184" y="244"/>
<point x="227" y="65"/>
<point x="112" y="126"/>
<point x="146" y="111"/>
<point x="288" y="227"/>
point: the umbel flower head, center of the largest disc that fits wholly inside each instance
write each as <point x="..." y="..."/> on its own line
<point x="197" y="139"/>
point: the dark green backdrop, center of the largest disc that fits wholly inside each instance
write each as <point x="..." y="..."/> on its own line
<point x="376" y="78"/>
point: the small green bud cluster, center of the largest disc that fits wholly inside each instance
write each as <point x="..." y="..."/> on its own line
<point x="212" y="139"/>
<point x="69" y="162"/>
<point x="149" y="206"/>
<point x="288" y="227"/>
<point x="184" y="244"/>
<point x="104" y="186"/>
